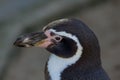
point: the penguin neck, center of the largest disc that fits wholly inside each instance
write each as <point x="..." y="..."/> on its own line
<point x="56" y="65"/>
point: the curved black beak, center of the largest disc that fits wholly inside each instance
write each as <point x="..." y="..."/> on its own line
<point x="30" y="39"/>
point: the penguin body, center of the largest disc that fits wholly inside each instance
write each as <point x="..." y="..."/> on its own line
<point x="75" y="51"/>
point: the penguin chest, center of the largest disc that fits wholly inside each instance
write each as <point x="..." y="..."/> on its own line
<point x="57" y="65"/>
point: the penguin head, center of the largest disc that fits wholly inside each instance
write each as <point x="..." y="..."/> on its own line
<point x="63" y="38"/>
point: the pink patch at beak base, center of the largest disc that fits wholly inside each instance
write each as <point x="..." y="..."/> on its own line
<point x="49" y="40"/>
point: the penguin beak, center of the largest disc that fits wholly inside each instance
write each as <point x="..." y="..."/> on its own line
<point x="37" y="39"/>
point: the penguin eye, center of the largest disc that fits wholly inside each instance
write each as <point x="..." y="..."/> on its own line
<point x="57" y="38"/>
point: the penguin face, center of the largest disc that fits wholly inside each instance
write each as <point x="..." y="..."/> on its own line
<point x="69" y="43"/>
<point x="63" y="38"/>
<point x="63" y="45"/>
<point x="55" y="42"/>
<point x="60" y="43"/>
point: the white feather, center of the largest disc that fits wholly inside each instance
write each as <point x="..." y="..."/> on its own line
<point x="56" y="64"/>
<point x="25" y="40"/>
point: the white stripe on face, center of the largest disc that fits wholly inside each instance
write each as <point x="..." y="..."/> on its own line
<point x="56" y="64"/>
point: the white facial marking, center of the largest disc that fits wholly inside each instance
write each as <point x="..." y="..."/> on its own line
<point x="56" y="22"/>
<point x="56" y="64"/>
<point x="25" y="40"/>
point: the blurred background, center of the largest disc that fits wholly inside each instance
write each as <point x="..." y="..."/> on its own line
<point x="18" y="17"/>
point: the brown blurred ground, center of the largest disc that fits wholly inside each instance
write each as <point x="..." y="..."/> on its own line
<point x="28" y="63"/>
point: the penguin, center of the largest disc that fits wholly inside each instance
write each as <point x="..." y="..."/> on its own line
<point x="74" y="48"/>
